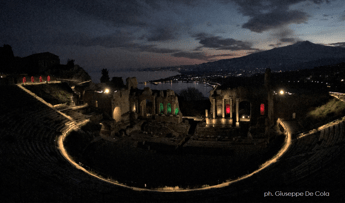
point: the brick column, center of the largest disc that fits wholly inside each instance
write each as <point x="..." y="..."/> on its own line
<point x="165" y="108"/>
<point x="223" y="108"/>
<point x="173" y="107"/>
<point x="231" y="106"/>
<point x="237" y="112"/>
<point x="214" y="108"/>
<point x="153" y="106"/>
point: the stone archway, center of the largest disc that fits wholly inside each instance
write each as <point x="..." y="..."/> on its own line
<point x="117" y="114"/>
<point x="227" y="109"/>
<point x="176" y="111"/>
<point x="149" y="108"/>
<point x="169" y="108"/>
<point x="161" y="108"/>
<point x="245" y="111"/>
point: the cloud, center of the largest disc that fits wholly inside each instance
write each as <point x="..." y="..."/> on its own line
<point x="162" y="34"/>
<point x="342" y="17"/>
<point x="271" y="14"/>
<point x="199" y="55"/>
<point x="276" y="19"/>
<point x="253" y="8"/>
<point x="118" y="13"/>
<point x="219" y="43"/>
<point x="288" y="40"/>
<point x="117" y="40"/>
<point x="152" y="48"/>
<point x="275" y="45"/>
<point x="338" y="44"/>
<point x="284" y="35"/>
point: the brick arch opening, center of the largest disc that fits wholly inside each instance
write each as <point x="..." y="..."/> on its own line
<point x="161" y="108"/>
<point x="244" y="110"/>
<point x="169" y="108"/>
<point x="117" y="114"/>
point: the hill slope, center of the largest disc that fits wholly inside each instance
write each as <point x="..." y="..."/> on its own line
<point x="300" y="55"/>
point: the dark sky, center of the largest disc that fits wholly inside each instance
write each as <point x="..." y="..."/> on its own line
<point x="118" y="34"/>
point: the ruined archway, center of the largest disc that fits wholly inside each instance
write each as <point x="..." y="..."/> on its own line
<point x="176" y="111"/>
<point x="262" y="109"/>
<point x="133" y="107"/>
<point x="161" y="108"/>
<point x="149" y="108"/>
<point x="244" y="111"/>
<point x="168" y="108"/>
<point x="117" y="114"/>
<point x="227" y="109"/>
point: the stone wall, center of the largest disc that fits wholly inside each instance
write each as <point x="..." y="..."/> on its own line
<point x="131" y="83"/>
<point x="169" y="118"/>
<point x="120" y="104"/>
<point x="181" y="128"/>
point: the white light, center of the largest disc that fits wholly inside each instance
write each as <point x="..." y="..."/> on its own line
<point x="106" y="91"/>
<point x="281" y="92"/>
<point x="242" y="116"/>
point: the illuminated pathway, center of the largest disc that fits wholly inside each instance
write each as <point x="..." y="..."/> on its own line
<point x="281" y="152"/>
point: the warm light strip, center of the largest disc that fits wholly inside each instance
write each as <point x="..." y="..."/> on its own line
<point x="40" y="83"/>
<point x="44" y="102"/>
<point x="274" y="159"/>
<point x="84" y="82"/>
<point x="34" y="95"/>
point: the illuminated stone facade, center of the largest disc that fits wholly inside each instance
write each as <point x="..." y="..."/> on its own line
<point x="160" y="105"/>
<point x="242" y="104"/>
<point x="129" y="103"/>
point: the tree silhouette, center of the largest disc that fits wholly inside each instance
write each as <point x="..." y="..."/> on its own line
<point x="70" y="63"/>
<point x="105" y="76"/>
<point x="191" y="94"/>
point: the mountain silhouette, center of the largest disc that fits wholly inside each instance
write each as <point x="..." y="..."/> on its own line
<point x="301" y="55"/>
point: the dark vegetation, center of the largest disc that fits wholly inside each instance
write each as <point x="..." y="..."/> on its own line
<point x="194" y="108"/>
<point x="311" y="103"/>
<point x="192" y="102"/>
<point x="323" y="114"/>
<point x="53" y="93"/>
<point x="105" y="76"/>
<point x="191" y="94"/>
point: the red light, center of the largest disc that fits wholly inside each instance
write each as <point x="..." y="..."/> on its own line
<point x="227" y="109"/>
<point x="262" y="109"/>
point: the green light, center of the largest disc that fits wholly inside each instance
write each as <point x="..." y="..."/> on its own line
<point x="169" y="108"/>
<point x="176" y="111"/>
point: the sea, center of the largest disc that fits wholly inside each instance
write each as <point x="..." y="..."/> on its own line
<point x="144" y="76"/>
